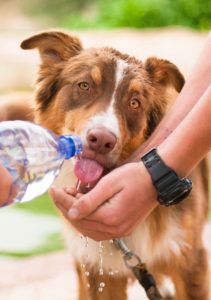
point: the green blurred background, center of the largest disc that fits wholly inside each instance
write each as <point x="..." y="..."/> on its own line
<point x="119" y="13"/>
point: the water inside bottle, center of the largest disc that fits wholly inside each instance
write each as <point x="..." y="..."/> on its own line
<point x="30" y="154"/>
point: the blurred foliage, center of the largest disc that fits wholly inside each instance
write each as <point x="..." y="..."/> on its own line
<point x="157" y="13"/>
<point x="122" y="13"/>
<point x="52" y="243"/>
<point x="41" y="205"/>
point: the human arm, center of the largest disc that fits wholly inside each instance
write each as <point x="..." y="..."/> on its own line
<point x="191" y="140"/>
<point x="193" y="89"/>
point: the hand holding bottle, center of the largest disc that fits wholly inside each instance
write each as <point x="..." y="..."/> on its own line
<point x="32" y="157"/>
<point x="7" y="192"/>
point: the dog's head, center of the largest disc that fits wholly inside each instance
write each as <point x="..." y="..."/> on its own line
<point x="113" y="101"/>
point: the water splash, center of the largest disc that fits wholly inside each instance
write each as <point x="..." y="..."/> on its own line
<point x="101" y="271"/>
<point x="83" y="265"/>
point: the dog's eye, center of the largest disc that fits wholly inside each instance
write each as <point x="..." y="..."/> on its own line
<point x="134" y="103"/>
<point x="84" y="86"/>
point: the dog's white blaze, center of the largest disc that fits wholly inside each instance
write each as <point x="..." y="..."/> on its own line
<point x="120" y="68"/>
<point x="108" y="119"/>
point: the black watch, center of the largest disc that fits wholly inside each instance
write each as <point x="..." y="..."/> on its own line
<point x="170" y="188"/>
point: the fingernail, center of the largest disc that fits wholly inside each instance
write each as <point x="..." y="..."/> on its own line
<point x="68" y="190"/>
<point x="73" y="213"/>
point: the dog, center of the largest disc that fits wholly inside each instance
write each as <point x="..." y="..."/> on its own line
<point x="114" y="102"/>
<point x="16" y="106"/>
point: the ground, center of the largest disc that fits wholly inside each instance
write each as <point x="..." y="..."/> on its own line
<point x="51" y="276"/>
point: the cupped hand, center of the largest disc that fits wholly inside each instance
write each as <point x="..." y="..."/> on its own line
<point x="114" y="207"/>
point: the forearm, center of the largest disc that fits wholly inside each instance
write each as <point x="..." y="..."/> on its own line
<point x="190" y="94"/>
<point x="191" y="140"/>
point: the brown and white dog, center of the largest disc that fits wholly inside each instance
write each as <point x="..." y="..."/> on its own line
<point x="114" y="102"/>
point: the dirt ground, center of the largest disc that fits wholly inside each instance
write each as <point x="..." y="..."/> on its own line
<point x="51" y="277"/>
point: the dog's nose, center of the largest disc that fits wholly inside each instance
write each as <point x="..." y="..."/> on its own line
<point x="101" y="140"/>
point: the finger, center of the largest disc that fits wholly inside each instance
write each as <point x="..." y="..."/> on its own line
<point x="62" y="210"/>
<point x="98" y="236"/>
<point x="5" y="186"/>
<point x="92" y="226"/>
<point x="89" y="202"/>
<point x="71" y="190"/>
<point x="60" y="197"/>
<point x="102" y="214"/>
<point x="78" y="196"/>
<point x="12" y="194"/>
<point x="95" y="235"/>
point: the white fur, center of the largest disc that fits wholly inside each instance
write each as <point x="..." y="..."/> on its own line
<point x="108" y="119"/>
<point x="167" y="287"/>
<point x="140" y="241"/>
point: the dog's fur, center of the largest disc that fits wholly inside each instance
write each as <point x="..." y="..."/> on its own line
<point x="16" y="107"/>
<point x="82" y="90"/>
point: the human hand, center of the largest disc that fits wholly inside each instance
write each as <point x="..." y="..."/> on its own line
<point x="6" y="189"/>
<point x="64" y="199"/>
<point x="115" y="206"/>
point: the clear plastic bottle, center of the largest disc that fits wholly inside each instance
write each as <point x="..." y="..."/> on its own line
<point x="33" y="156"/>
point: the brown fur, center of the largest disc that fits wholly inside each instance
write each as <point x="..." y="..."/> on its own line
<point x="109" y="293"/>
<point x="16" y="107"/>
<point x="62" y="104"/>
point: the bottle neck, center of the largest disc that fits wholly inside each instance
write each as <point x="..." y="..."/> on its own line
<point x="69" y="146"/>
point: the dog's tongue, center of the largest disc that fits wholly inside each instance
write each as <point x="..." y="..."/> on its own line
<point x="87" y="170"/>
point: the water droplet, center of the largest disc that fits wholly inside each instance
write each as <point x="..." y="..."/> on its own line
<point x="110" y="253"/>
<point x="102" y="284"/>
<point x="88" y="285"/>
<point x="101" y="258"/>
<point x="87" y="273"/>
<point x="83" y="266"/>
<point x="86" y="241"/>
<point x="100" y="290"/>
<point x="111" y="241"/>
<point x="101" y="271"/>
<point x="78" y="183"/>
<point x="111" y="273"/>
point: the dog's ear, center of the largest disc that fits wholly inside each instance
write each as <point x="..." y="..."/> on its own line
<point x="164" y="73"/>
<point x="54" y="46"/>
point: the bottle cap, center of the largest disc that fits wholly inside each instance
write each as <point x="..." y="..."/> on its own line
<point x="70" y="145"/>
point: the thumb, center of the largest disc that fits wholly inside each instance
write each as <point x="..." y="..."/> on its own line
<point x="89" y="202"/>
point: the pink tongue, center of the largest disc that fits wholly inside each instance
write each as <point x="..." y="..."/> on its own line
<point x="87" y="170"/>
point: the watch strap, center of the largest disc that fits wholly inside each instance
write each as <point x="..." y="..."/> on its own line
<point x="171" y="189"/>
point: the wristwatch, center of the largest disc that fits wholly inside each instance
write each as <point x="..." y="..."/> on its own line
<point x="170" y="188"/>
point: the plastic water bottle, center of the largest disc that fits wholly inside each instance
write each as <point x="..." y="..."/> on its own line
<point x="33" y="156"/>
